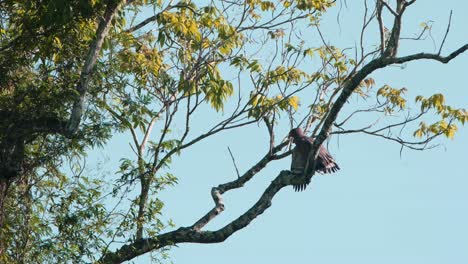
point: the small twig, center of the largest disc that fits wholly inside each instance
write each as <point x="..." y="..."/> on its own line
<point x="389" y="7"/>
<point x="381" y="26"/>
<point x="216" y="192"/>
<point x="269" y="126"/>
<point x="420" y="36"/>
<point x="410" y="3"/>
<point x="446" y="33"/>
<point x="234" y="162"/>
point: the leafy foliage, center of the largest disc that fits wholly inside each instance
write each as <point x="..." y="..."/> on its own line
<point x="142" y="77"/>
<point x="160" y="62"/>
<point x="449" y="116"/>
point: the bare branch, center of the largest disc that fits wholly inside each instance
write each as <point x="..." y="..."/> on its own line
<point x="155" y="17"/>
<point x="191" y="235"/>
<point x="382" y="2"/>
<point x="234" y="162"/>
<point x="354" y="82"/>
<point x="393" y="42"/>
<point x="410" y="2"/>
<point x="381" y="25"/>
<point x="216" y="192"/>
<point x="446" y="33"/>
<point x="419" y="36"/>
<point x="143" y="23"/>
<point x="147" y="133"/>
<point x="415" y="145"/>
<point x="271" y="132"/>
<point x="219" y="207"/>
<point x="419" y="56"/>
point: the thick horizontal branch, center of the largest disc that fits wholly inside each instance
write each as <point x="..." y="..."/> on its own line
<point x="430" y="56"/>
<point x="189" y="235"/>
<point x="216" y="192"/>
<point x="194" y="235"/>
<point x="358" y="77"/>
<point x="252" y="171"/>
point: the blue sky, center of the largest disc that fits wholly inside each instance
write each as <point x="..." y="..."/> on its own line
<point x="380" y="208"/>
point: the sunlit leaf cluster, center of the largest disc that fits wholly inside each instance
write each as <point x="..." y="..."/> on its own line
<point x="394" y="96"/>
<point x="449" y="117"/>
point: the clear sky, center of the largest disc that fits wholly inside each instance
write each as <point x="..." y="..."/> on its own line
<point x="380" y="208"/>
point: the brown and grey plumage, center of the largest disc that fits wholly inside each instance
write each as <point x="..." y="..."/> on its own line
<point x="324" y="164"/>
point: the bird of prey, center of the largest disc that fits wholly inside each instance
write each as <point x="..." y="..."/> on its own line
<point x="324" y="164"/>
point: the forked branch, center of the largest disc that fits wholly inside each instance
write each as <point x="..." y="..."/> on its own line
<point x="353" y="82"/>
<point x="193" y="234"/>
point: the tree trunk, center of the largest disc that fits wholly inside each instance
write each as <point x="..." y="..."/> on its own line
<point x="4" y="184"/>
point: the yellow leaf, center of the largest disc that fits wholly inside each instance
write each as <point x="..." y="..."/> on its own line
<point x="225" y="50"/>
<point x="443" y="124"/>
<point x="369" y="82"/>
<point x="418" y="133"/>
<point x="294" y="102"/>
<point x="57" y="42"/>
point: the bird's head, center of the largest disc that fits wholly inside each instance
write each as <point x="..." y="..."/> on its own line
<point x="295" y="133"/>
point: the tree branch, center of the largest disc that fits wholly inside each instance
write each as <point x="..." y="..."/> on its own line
<point x="190" y="235"/>
<point x="193" y="234"/>
<point x="379" y="8"/>
<point x="88" y="67"/>
<point x="388" y="7"/>
<point x="216" y="192"/>
<point x="429" y="56"/>
<point x="234" y="162"/>
<point x="446" y="33"/>
<point x="392" y="44"/>
<point x="354" y="82"/>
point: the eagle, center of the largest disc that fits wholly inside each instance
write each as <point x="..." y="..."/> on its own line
<point x="324" y="164"/>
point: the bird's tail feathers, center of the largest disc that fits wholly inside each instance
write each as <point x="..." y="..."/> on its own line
<point x="330" y="168"/>
<point x="300" y="187"/>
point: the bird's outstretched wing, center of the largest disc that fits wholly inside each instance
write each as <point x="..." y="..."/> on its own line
<point x="324" y="164"/>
